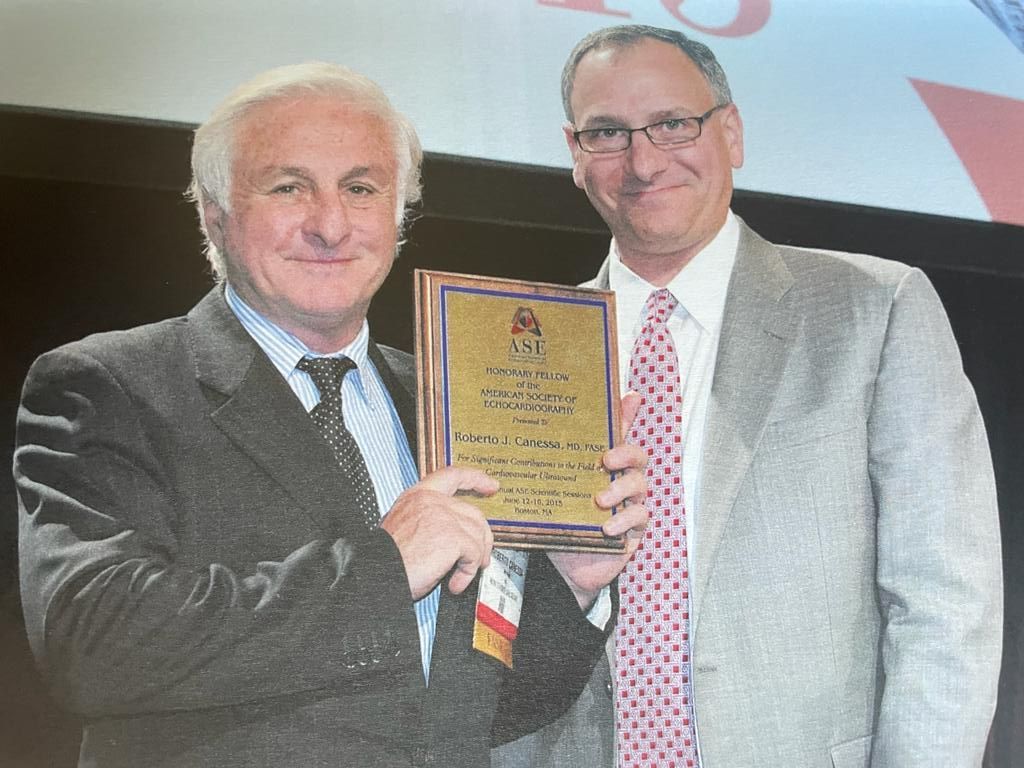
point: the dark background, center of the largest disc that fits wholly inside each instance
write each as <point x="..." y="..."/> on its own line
<point x="97" y="236"/>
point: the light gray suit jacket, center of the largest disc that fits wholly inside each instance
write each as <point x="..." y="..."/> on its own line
<point x="848" y="592"/>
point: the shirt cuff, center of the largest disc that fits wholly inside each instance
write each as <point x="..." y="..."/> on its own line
<point x="601" y="611"/>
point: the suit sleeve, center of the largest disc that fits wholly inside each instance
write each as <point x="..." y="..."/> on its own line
<point x="119" y="623"/>
<point x="553" y="656"/>
<point x="938" y="571"/>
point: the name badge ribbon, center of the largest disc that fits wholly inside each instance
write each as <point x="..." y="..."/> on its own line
<point x="500" y="603"/>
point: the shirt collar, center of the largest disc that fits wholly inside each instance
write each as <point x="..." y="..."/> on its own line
<point x="286" y="349"/>
<point x="699" y="287"/>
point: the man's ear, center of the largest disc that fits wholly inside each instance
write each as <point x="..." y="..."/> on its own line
<point x="214" y="217"/>
<point x="575" y="151"/>
<point x="733" y="125"/>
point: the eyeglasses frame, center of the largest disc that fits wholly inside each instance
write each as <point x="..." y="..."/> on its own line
<point x="699" y="119"/>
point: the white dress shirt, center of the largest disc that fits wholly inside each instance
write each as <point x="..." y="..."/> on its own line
<point x="696" y="327"/>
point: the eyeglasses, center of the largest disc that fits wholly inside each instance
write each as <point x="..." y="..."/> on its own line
<point x="666" y="133"/>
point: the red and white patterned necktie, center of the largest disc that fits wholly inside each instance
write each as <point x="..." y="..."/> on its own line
<point x="654" y="695"/>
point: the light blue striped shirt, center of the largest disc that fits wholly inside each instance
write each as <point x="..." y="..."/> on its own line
<point x="369" y="415"/>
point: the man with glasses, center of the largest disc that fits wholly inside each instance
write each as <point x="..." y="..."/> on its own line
<point x="820" y="583"/>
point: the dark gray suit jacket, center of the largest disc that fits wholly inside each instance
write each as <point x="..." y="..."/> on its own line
<point x="196" y="586"/>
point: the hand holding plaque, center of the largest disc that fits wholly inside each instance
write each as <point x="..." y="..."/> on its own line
<point x="587" y="572"/>
<point x="520" y="380"/>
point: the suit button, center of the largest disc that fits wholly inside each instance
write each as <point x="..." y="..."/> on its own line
<point x="609" y="689"/>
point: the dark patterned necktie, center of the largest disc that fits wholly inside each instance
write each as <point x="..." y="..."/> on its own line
<point x="327" y="373"/>
<point x="654" y="697"/>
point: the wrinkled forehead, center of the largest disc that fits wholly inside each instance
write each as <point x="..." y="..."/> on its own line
<point x="292" y="110"/>
<point x="313" y="126"/>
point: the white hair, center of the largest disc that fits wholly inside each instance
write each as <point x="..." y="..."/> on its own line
<point x="214" y="143"/>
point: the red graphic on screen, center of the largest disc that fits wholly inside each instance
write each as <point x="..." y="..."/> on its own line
<point x="751" y="15"/>
<point x="987" y="134"/>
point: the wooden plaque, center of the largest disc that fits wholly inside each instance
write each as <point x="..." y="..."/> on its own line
<point x="520" y="379"/>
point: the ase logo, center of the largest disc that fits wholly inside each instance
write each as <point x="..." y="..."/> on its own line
<point x="527" y="342"/>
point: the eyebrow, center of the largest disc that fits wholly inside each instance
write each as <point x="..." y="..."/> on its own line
<point x="359" y="171"/>
<point x="601" y="121"/>
<point x="271" y="171"/>
<point x="362" y="170"/>
<point x="598" y="121"/>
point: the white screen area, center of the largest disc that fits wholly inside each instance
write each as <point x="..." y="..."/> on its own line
<point x="914" y="105"/>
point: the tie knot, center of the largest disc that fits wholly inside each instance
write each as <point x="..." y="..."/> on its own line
<point x="327" y="373"/>
<point x="659" y="307"/>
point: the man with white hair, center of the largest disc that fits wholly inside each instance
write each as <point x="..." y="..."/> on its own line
<point x="227" y="557"/>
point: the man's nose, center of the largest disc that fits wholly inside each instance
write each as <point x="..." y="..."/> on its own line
<point x="644" y="159"/>
<point x="328" y="222"/>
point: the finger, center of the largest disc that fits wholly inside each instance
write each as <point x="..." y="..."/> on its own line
<point x="476" y="528"/>
<point x="628" y="485"/>
<point x="450" y="480"/>
<point x="467" y="566"/>
<point x="461" y="578"/>
<point x="624" y="457"/>
<point x="469" y="516"/>
<point x="477" y="531"/>
<point x="630" y="405"/>
<point x="477" y="541"/>
<point x="630" y="520"/>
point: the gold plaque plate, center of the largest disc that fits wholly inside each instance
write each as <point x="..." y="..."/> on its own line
<point x="520" y="379"/>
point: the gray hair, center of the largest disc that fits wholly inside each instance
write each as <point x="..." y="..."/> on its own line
<point x="629" y="35"/>
<point x="214" y="143"/>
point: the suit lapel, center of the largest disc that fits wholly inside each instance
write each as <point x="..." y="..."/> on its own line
<point x="758" y="330"/>
<point x="261" y="415"/>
